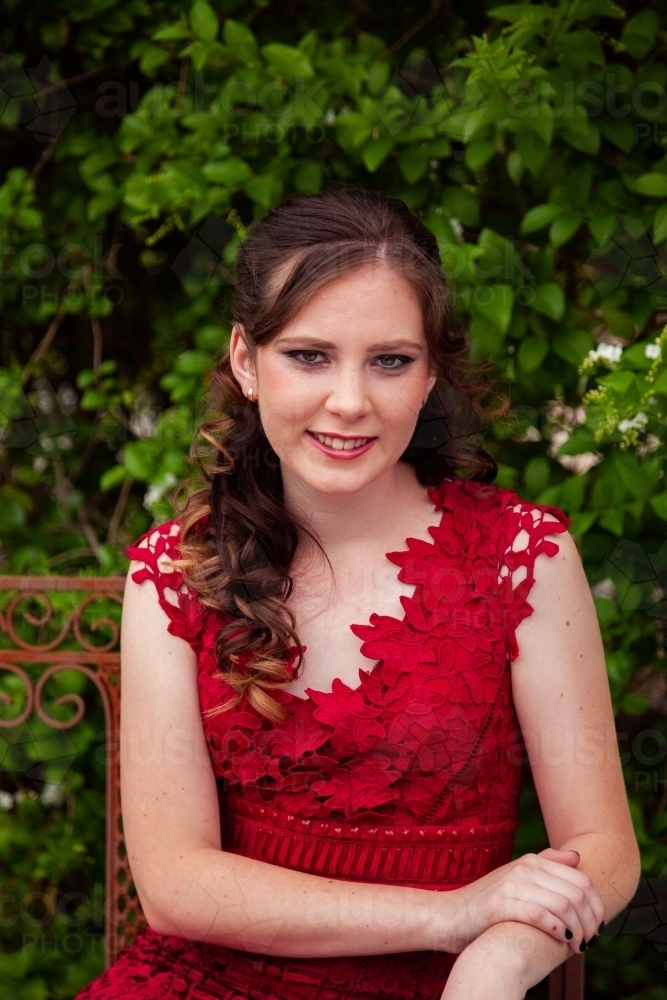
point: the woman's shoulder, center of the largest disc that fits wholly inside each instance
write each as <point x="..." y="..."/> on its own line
<point x="155" y="556"/>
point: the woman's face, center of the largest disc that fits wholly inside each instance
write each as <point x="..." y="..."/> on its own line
<point x="340" y="387"/>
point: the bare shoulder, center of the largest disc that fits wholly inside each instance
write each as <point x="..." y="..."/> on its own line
<point x="560" y="578"/>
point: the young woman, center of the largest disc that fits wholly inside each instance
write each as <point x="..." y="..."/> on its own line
<point x="309" y="815"/>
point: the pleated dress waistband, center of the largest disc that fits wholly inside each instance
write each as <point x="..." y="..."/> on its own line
<point x="431" y="856"/>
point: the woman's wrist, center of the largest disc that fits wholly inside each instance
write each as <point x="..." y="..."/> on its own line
<point x="485" y="970"/>
<point x="445" y="928"/>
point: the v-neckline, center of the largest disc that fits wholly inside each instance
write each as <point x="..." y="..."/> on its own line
<point x="435" y="495"/>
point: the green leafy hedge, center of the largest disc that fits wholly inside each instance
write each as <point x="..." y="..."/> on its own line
<point x="140" y="142"/>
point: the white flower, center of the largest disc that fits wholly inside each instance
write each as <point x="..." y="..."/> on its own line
<point x="652" y="351"/>
<point x="605" y="588"/>
<point x="456" y="226"/>
<point x="611" y="353"/>
<point x="6" y="801"/>
<point x="143" y="422"/>
<point x="637" y="423"/>
<point x="580" y="464"/>
<point x="156" y="491"/>
<point x="52" y="794"/>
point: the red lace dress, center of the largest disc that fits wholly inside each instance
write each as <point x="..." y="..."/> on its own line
<point x="411" y="778"/>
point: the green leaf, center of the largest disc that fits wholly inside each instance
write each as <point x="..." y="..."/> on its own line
<point x="536" y="474"/>
<point x="514" y="12"/>
<point x="532" y="352"/>
<point x="204" y="21"/>
<point x="228" y="172"/>
<point x="532" y="149"/>
<point x="462" y="205"/>
<point x="487" y="337"/>
<point x="378" y="77"/>
<point x="193" y="362"/>
<point x="659" y="505"/>
<point x="633" y="703"/>
<point x="564" y="227"/>
<point x="495" y="302"/>
<point x="478" y="154"/>
<point x="619" y="131"/>
<point x="113" y="477"/>
<point x="614" y="522"/>
<point x="413" y="163"/>
<point x="515" y="166"/>
<point x="151" y="58"/>
<point x="93" y="399"/>
<point x="264" y="190"/>
<point x="309" y="177"/>
<point x="375" y="152"/>
<point x="240" y="40"/>
<point x="639" y="33"/>
<point x="171" y="32"/>
<point x="619" y="381"/>
<point x="582" y="521"/>
<point x="573" y="346"/>
<point x="660" y="224"/>
<point x="654" y="185"/>
<point x="549" y="300"/>
<point x="540" y="216"/>
<point x="289" y="61"/>
<point x="139" y="459"/>
<point x="352" y="130"/>
<point x="585" y="138"/>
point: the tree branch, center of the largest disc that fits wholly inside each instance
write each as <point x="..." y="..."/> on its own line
<point x="119" y="510"/>
<point x="43" y="345"/>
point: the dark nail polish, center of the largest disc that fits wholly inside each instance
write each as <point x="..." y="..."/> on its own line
<point x="582" y="946"/>
<point x="589" y="944"/>
<point x="601" y="927"/>
<point x="568" y="934"/>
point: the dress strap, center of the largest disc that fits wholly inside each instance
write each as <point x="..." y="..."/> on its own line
<point x="155" y="550"/>
<point x="524" y="535"/>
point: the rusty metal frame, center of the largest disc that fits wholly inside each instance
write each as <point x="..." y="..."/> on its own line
<point x="101" y="663"/>
<point x="123" y="916"/>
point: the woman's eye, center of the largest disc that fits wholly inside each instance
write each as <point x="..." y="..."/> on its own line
<point x="401" y="360"/>
<point x="308" y="357"/>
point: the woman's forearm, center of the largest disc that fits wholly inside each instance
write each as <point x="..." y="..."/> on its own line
<point x="227" y="899"/>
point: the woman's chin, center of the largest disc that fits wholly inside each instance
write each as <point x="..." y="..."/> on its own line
<point x="342" y="480"/>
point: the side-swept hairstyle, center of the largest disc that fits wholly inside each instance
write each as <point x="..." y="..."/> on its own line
<point x="238" y="539"/>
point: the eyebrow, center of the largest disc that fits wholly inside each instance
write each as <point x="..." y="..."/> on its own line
<point x="387" y="345"/>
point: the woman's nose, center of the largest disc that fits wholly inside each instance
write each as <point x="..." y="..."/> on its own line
<point x="348" y="397"/>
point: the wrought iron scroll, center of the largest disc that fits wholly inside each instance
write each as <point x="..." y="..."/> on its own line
<point x="101" y="663"/>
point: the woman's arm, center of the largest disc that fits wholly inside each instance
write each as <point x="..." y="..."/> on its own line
<point x="561" y="694"/>
<point x="190" y="887"/>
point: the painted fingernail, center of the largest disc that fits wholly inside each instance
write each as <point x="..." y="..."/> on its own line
<point x="589" y="944"/>
<point x="601" y="927"/>
<point x="583" y="945"/>
<point x="568" y="934"/>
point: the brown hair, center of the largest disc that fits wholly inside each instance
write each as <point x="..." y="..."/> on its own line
<point x="238" y="539"/>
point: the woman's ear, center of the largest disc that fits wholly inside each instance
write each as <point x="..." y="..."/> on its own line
<point x="240" y="359"/>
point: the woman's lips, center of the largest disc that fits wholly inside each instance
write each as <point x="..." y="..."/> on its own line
<point x="343" y="453"/>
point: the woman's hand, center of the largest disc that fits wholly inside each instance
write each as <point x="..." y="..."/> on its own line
<point x="543" y="890"/>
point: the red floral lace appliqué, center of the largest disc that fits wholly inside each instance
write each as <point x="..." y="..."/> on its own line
<point x="411" y="778"/>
